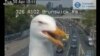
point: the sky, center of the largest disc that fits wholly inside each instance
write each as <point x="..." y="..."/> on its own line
<point x="65" y="3"/>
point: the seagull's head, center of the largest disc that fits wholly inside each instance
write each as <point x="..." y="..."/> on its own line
<point x="45" y="27"/>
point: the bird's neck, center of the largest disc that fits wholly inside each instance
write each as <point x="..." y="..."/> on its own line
<point x="40" y="47"/>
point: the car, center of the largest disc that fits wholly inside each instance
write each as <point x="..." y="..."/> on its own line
<point x="90" y="41"/>
<point x="88" y="53"/>
<point x="59" y="50"/>
<point x="74" y="39"/>
<point x="74" y="44"/>
<point x="74" y="36"/>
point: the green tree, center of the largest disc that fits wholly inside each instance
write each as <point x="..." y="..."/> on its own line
<point x="22" y="22"/>
<point x="90" y="18"/>
<point x="13" y="24"/>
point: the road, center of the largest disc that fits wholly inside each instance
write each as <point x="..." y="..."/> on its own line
<point x="82" y="39"/>
<point x="71" y="51"/>
<point x="73" y="30"/>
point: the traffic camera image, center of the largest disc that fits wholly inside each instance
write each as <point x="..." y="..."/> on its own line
<point x="50" y="28"/>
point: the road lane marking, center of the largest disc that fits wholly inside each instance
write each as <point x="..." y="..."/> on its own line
<point x="68" y="50"/>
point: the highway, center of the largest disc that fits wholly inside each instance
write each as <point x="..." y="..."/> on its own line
<point x="69" y="26"/>
<point x="73" y="30"/>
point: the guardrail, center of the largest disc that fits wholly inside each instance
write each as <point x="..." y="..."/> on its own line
<point x="21" y="34"/>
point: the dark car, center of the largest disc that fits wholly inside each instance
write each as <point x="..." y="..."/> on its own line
<point x="73" y="46"/>
<point x="74" y="43"/>
<point x="59" y="50"/>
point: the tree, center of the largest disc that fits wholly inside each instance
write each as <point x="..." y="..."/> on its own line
<point x="22" y="22"/>
<point x="13" y="24"/>
<point x="90" y="18"/>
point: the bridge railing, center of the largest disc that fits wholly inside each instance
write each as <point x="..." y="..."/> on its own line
<point x="21" y="34"/>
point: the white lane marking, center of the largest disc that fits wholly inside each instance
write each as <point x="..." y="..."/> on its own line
<point x="68" y="50"/>
<point x="68" y="47"/>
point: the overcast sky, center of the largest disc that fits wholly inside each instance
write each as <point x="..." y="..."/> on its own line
<point x="65" y="3"/>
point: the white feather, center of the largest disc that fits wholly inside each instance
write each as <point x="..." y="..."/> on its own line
<point x="39" y="44"/>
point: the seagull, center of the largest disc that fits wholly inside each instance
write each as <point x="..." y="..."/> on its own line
<point x="44" y="35"/>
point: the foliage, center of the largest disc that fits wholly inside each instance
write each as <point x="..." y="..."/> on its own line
<point x="22" y="22"/>
<point x="90" y="18"/>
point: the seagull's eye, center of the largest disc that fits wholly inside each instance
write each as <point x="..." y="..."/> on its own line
<point x="40" y="22"/>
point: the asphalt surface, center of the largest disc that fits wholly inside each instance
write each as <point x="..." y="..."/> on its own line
<point x="71" y="51"/>
<point x="82" y="39"/>
<point x="73" y="30"/>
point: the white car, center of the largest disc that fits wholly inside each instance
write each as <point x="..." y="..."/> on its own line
<point x="90" y="41"/>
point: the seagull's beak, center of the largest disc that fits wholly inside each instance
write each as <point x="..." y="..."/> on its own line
<point x="57" y="36"/>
